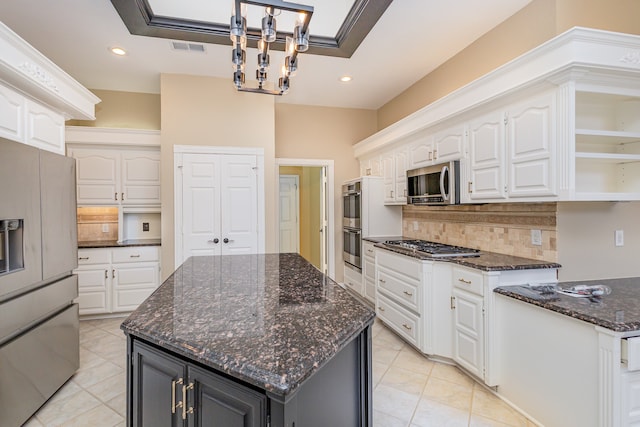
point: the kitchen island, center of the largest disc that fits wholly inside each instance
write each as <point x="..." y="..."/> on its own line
<point x="564" y="359"/>
<point x="249" y="340"/>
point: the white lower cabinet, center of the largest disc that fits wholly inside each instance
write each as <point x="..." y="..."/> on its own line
<point x="631" y="398"/>
<point x="353" y="279"/>
<point x="468" y="332"/>
<point x="369" y="271"/>
<point x="112" y="280"/>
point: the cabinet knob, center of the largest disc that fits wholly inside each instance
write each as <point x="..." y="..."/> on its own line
<point x="382" y="281"/>
<point x="216" y="240"/>
<point x="225" y="240"/>
<point x="370" y="251"/>
<point x="380" y="308"/>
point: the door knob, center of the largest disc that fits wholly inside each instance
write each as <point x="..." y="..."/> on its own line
<point x="225" y="240"/>
<point x="216" y="240"/>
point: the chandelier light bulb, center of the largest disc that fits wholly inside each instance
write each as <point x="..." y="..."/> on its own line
<point x="269" y="26"/>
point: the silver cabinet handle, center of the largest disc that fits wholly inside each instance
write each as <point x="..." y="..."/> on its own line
<point x="370" y="251"/>
<point x="186" y="411"/>
<point x="435" y="154"/>
<point x="408" y="328"/>
<point x="469" y="187"/>
<point x="214" y="240"/>
<point x="391" y="193"/>
<point x="173" y="396"/>
<point x="134" y="256"/>
<point x="83" y="258"/>
<point x="405" y="193"/>
<point x="407" y="293"/>
<point x="380" y="308"/>
<point x="453" y="303"/>
<point x="115" y="196"/>
<point x="466" y="282"/>
<point x="382" y="281"/>
<point x="121" y="196"/>
<point x="106" y="274"/>
<point x="113" y="274"/>
<point x="225" y="240"/>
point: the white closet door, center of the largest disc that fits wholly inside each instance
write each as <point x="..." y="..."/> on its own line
<point x="201" y="205"/>
<point x="239" y="204"/>
<point x="289" y="240"/>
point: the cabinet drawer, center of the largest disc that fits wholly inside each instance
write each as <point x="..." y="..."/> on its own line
<point x="94" y="256"/>
<point x="353" y="280"/>
<point x="405" y="291"/>
<point x="402" y="264"/>
<point x="369" y="270"/>
<point x="135" y="254"/>
<point x="469" y="280"/>
<point x="130" y="299"/>
<point x="92" y="302"/>
<point x="145" y="275"/>
<point x="399" y="319"/>
<point x="93" y="279"/>
<point x="369" y="250"/>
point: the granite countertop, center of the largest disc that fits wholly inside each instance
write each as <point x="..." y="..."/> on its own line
<point x="485" y="261"/>
<point x="618" y="311"/>
<point x="271" y="320"/>
<point x="115" y="244"/>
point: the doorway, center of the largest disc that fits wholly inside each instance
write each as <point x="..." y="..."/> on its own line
<point x="305" y="202"/>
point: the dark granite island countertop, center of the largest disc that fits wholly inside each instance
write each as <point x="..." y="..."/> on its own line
<point x="619" y="311"/>
<point x="271" y="321"/>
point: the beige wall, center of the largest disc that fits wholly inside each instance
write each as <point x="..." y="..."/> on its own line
<point x="128" y="110"/>
<point x="586" y="247"/>
<point x="538" y="22"/>
<point x="208" y="111"/>
<point x="306" y="132"/>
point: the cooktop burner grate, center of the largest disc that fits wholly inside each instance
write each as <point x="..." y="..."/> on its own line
<point x="433" y="249"/>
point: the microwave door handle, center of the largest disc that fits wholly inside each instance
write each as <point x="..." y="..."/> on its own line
<point x="444" y="191"/>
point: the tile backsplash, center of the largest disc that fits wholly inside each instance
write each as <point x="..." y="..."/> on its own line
<point x="97" y="224"/>
<point x="503" y="228"/>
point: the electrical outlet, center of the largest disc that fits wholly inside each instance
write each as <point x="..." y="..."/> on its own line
<point x="105" y="228"/>
<point x="536" y="237"/>
<point x="145" y="226"/>
<point x="415" y="226"/>
<point x="619" y="237"/>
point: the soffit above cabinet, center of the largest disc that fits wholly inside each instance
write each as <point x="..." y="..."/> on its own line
<point x="32" y="74"/>
<point x="579" y="54"/>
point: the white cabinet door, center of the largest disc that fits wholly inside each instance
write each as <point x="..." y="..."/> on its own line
<point x="486" y="158"/>
<point x="94" y="289"/>
<point x="468" y="334"/>
<point x="97" y="175"/>
<point x="421" y="153"/>
<point x="11" y="114"/>
<point x="220" y="204"/>
<point x="369" y="271"/>
<point x="132" y="283"/>
<point x="45" y="129"/>
<point x="531" y="134"/>
<point x="400" y="166"/>
<point x="388" y="173"/>
<point x="140" y="177"/>
<point x="448" y="144"/>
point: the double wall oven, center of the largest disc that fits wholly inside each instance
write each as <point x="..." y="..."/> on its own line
<point x="352" y="223"/>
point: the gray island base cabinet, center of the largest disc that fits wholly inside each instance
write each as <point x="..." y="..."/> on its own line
<point x="248" y="341"/>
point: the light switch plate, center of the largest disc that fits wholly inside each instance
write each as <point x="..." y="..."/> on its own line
<point x="105" y="228"/>
<point x="619" y="237"/>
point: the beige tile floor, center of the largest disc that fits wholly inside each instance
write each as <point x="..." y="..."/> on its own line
<point x="409" y="390"/>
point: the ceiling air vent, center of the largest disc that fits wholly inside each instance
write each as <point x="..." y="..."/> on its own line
<point x="188" y="47"/>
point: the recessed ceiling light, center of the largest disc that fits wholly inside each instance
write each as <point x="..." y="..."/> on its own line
<point x="345" y="79"/>
<point x="117" y="51"/>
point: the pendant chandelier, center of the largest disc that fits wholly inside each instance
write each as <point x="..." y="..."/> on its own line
<point x="295" y="42"/>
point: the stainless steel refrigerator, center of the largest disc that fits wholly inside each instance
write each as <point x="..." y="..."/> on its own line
<point x="39" y="337"/>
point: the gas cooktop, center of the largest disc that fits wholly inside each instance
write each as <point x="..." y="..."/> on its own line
<point x="433" y="249"/>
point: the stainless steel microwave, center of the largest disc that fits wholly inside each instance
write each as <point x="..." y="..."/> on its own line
<point x="434" y="185"/>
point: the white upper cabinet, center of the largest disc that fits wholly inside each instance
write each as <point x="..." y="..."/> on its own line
<point x="394" y="168"/>
<point x="486" y="163"/>
<point x="448" y="144"/>
<point x="116" y="166"/>
<point x="559" y="123"/>
<point x="531" y="136"/>
<point x="36" y="96"/>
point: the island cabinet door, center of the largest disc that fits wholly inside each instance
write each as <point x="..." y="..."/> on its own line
<point x="156" y="389"/>
<point x="216" y="401"/>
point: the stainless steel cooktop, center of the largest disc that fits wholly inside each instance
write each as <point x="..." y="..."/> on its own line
<point x="433" y="249"/>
